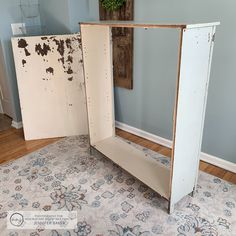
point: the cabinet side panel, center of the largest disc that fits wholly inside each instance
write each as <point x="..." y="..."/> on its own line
<point x="96" y="43"/>
<point x="192" y="95"/>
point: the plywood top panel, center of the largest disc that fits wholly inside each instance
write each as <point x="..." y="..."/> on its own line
<point x="146" y="169"/>
<point x="135" y="24"/>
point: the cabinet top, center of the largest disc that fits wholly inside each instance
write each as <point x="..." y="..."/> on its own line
<point x="136" y="24"/>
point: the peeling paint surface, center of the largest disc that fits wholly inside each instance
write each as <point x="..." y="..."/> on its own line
<point x="23" y="62"/>
<point x="50" y="70"/>
<point x="23" y="44"/>
<point x="42" y="49"/>
<point x="51" y="85"/>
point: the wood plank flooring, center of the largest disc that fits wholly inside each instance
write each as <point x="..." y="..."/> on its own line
<point x="13" y="146"/>
<point x="5" y="122"/>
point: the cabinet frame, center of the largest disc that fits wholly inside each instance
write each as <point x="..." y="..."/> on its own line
<point x="196" y="43"/>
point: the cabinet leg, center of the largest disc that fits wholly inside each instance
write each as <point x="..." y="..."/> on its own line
<point x="91" y="150"/>
<point x="192" y="194"/>
<point x="171" y="208"/>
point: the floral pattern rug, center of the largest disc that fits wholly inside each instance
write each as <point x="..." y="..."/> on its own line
<point x="108" y="200"/>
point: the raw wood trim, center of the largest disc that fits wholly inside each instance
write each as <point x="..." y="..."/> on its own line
<point x="133" y="24"/>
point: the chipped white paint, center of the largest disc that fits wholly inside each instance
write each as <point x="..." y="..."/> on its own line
<point x="51" y="86"/>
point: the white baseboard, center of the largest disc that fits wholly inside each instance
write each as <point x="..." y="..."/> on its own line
<point x="230" y="166"/>
<point x="17" y="125"/>
<point x="144" y="134"/>
<point x="227" y="165"/>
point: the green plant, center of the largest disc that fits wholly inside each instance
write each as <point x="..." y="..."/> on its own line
<point x="112" y="5"/>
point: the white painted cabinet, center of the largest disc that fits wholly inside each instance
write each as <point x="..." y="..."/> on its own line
<point x="195" y="53"/>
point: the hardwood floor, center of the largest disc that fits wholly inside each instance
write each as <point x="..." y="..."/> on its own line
<point x="13" y="146"/>
<point x="5" y="122"/>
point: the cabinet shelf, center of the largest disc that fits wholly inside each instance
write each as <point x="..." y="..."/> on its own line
<point x="137" y="163"/>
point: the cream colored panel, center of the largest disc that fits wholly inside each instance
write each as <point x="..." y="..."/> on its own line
<point x="51" y="85"/>
<point x="99" y="81"/>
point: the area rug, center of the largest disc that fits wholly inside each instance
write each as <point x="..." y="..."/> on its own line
<point x="108" y="200"/>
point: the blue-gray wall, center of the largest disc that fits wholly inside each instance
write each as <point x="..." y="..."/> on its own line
<point x="63" y="16"/>
<point x="146" y="108"/>
<point x="149" y="106"/>
<point x="55" y="16"/>
<point x="79" y="11"/>
<point x="10" y="13"/>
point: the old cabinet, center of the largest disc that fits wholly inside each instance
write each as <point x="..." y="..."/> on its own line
<point x="195" y="52"/>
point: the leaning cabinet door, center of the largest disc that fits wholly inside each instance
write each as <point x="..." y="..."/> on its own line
<point x="51" y="85"/>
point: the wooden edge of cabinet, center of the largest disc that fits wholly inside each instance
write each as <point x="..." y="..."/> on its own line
<point x="133" y="24"/>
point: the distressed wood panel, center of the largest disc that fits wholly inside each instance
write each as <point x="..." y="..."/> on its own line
<point x="51" y="85"/>
<point x="122" y="44"/>
<point x="138" y="24"/>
